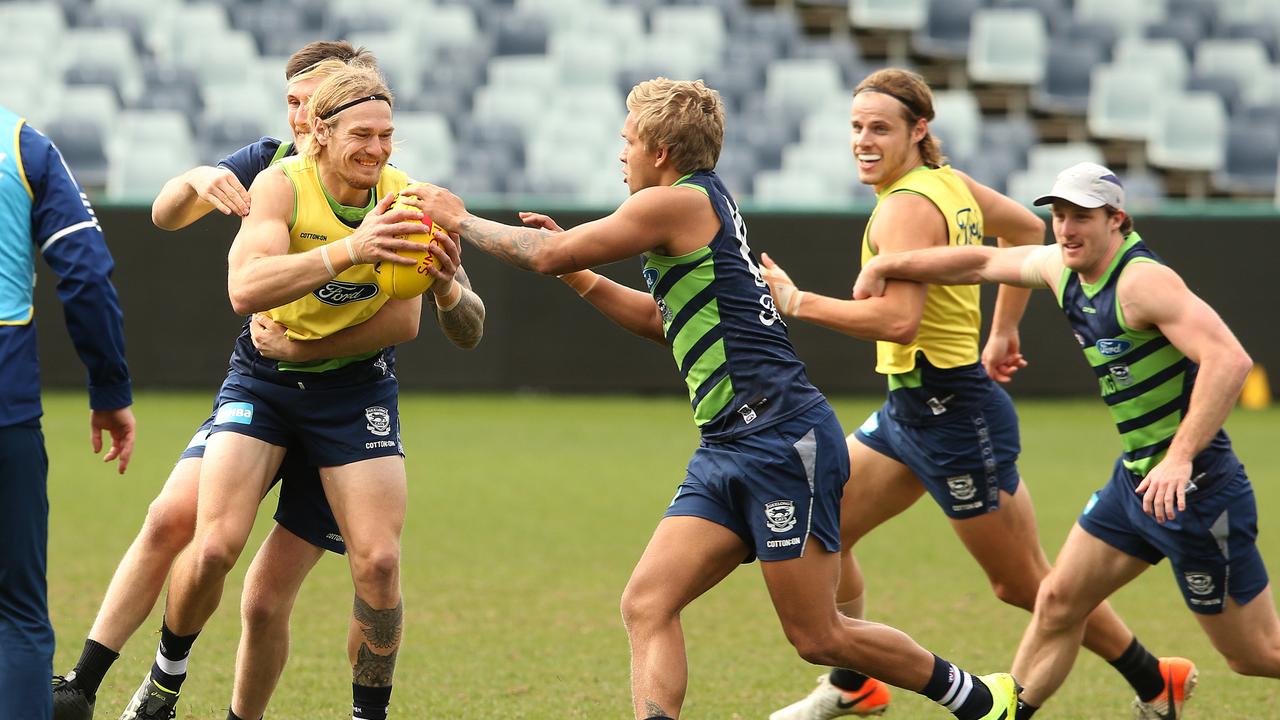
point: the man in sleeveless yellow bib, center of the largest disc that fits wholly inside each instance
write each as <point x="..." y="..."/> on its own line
<point x="303" y="257"/>
<point x="1169" y="369"/>
<point x="946" y="428"/>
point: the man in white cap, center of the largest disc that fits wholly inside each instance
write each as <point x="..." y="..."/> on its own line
<point x="1169" y="370"/>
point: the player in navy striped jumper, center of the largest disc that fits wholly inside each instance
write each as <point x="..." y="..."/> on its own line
<point x="767" y="477"/>
<point x="1169" y="370"/>
<point x="45" y="212"/>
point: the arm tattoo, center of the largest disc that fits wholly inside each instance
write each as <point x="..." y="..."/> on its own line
<point x="464" y="324"/>
<point x="514" y="245"/>
<point x="381" y="630"/>
<point x="653" y="709"/>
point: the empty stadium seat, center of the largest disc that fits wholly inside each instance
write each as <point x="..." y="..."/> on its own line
<point x="1130" y="16"/>
<point x="957" y="122"/>
<point x="946" y="30"/>
<point x="1249" y="166"/>
<point x="1068" y="70"/>
<point x="106" y="48"/>
<point x="1164" y="54"/>
<point x="1053" y="158"/>
<point x="799" y="189"/>
<point x="889" y="14"/>
<point x="1189" y="133"/>
<point x="80" y="140"/>
<point x="802" y="82"/>
<point x="1122" y="100"/>
<point x="137" y="175"/>
<point x="704" y="23"/>
<point x="1244" y="60"/>
<point x="424" y="145"/>
<point x="1008" y="46"/>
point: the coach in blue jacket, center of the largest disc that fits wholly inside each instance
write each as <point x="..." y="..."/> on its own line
<point x="42" y="210"/>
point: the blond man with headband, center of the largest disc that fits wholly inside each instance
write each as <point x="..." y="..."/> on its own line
<point x="946" y="428"/>
<point x="766" y="479"/>
<point x="304" y="256"/>
<point x="1169" y="369"/>
<point x="305" y="525"/>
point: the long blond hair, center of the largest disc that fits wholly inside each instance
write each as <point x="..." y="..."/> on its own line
<point x="913" y="93"/>
<point x="344" y="85"/>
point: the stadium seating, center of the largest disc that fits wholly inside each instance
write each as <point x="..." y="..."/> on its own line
<point x="489" y="72"/>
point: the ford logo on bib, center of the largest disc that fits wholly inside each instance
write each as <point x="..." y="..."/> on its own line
<point x="336" y="292"/>
<point x="1110" y="347"/>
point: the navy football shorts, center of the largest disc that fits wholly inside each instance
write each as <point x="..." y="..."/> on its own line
<point x="1212" y="546"/>
<point x="964" y="463"/>
<point x="773" y="488"/>
<point x="302" y="508"/>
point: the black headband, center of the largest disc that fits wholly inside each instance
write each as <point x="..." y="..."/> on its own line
<point x="909" y="105"/>
<point x="352" y="103"/>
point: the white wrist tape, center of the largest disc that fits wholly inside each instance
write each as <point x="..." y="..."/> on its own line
<point x="452" y="299"/>
<point x="324" y="255"/>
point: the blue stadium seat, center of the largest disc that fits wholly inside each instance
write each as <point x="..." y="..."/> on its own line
<point x="1065" y="89"/>
<point x="946" y="31"/>
<point x="1250" y="167"/>
<point x="219" y="137"/>
<point x="1225" y="87"/>
<point x="112" y="51"/>
<point x="1142" y="190"/>
<point x="81" y="142"/>
<point x="520" y="32"/>
<point x="778" y="28"/>
<point x="1186" y="29"/>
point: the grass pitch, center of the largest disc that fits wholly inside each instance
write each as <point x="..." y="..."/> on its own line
<point x="526" y="516"/>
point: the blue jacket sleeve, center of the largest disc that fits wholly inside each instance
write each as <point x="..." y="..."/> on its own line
<point x="68" y="236"/>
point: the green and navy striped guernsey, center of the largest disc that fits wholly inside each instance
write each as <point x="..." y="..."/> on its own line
<point x="1145" y="380"/>
<point x="728" y="340"/>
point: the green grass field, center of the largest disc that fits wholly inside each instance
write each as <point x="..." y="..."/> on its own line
<point x="526" y="516"/>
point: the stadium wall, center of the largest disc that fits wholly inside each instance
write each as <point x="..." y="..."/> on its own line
<point x="541" y="337"/>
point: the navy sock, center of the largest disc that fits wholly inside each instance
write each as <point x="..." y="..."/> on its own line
<point x="369" y="703"/>
<point x="92" y="666"/>
<point x="1025" y="711"/>
<point x="963" y="694"/>
<point x="170" y="668"/>
<point x="1141" y="670"/>
<point x="846" y="679"/>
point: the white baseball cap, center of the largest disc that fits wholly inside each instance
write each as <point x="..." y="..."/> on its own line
<point x="1088" y="185"/>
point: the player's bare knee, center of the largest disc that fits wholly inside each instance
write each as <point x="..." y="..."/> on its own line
<point x="168" y="527"/>
<point x="646" y="606"/>
<point x="259" y="611"/>
<point x="376" y="571"/>
<point x="818" y="647"/>
<point x="1017" y="594"/>
<point x="1055" y="609"/>
<point x="1254" y="662"/>
<point x="216" y="554"/>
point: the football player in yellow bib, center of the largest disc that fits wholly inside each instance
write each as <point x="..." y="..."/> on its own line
<point x="303" y="256"/>
<point x="946" y="428"/>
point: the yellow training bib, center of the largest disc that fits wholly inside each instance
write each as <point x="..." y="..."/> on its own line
<point x="353" y="296"/>
<point x="948" y="333"/>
